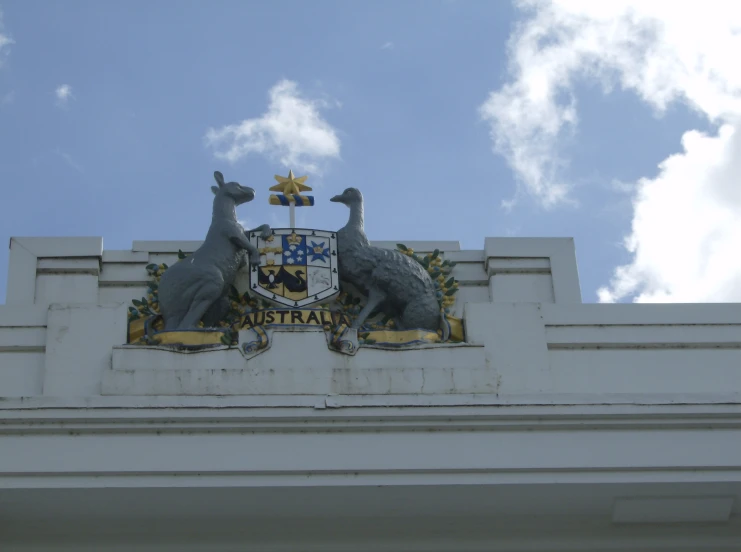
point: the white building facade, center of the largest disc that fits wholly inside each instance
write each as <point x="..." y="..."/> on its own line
<point x="557" y="426"/>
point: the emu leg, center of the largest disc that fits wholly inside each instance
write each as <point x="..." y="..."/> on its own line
<point x="375" y="297"/>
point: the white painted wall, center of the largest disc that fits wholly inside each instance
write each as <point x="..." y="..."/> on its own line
<point x="573" y="417"/>
<point x="63" y="330"/>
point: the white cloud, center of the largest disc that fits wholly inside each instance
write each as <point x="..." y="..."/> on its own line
<point x="292" y="131"/>
<point x="63" y="92"/>
<point x="5" y="41"/>
<point x="387" y="46"/>
<point x="69" y="160"/>
<point x="686" y="226"/>
<point x="686" y="231"/>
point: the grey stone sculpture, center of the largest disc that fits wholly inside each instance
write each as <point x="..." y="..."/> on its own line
<point x="196" y="288"/>
<point x="394" y="283"/>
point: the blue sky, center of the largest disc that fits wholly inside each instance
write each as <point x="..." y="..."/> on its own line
<point x="457" y="120"/>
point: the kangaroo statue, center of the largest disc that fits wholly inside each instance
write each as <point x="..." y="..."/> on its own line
<point x="394" y="283"/>
<point x="196" y="289"/>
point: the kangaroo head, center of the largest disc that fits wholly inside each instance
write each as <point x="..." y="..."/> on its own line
<point x="238" y="193"/>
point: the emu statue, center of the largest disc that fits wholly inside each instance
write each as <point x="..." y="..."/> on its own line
<point x="197" y="288"/>
<point x="395" y="283"/>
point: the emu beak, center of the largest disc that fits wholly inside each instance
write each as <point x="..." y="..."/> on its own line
<point x="336" y="199"/>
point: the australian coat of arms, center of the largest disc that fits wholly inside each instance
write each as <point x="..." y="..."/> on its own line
<point x="297" y="267"/>
<point x="298" y="279"/>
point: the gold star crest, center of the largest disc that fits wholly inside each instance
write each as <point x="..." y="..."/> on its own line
<point x="290" y="185"/>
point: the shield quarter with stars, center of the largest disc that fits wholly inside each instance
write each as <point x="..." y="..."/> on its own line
<point x="298" y="267"/>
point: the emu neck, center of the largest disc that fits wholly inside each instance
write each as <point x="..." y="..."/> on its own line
<point x="356" y="217"/>
<point x="224" y="209"/>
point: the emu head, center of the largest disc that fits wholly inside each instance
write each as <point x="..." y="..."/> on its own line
<point x="238" y="193"/>
<point x="351" y="196"/>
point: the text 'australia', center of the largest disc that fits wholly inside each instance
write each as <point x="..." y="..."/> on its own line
<point x="293" y="317"/>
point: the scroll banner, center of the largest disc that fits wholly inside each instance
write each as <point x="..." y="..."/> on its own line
<point x="148" y="331"/>
<point x="293" y="317"/>
<point x="297" y="199"/>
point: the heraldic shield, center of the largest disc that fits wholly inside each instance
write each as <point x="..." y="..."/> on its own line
<point x="298" y="267"/>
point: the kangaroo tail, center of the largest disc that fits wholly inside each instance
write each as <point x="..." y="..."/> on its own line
<point x="444" y="326"/>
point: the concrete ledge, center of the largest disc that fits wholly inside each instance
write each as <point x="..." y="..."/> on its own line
<point x="124" y="274"/>
<point x="123" y="256"/>
<point x="23" y="261"/>
<point x="684" y="509"/>
<point x="470" y="274"/>
<point x="61" y="246"/>
<point x="22" y="315"/>
<point x="643" y="314"/>
<point x="560" y="253"/>
<point x="420" y="246"/>
<point x="466" y="256"/>
<point x="505" y="265"/>
<point x="68" y="265"/>
<point x="27" y="339"/>
<point x="660" y="453"/>
<point x="702" y="410"/>
<point x="77" y="351"/>
<point x="438" y="370"/>
<point x="162" y="246"/>
<point x="683" y="336"/>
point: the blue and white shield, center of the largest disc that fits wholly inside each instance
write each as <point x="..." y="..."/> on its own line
<point x="298" y="267"/>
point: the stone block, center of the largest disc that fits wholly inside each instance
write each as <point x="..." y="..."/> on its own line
<point x="314" y="371"/>
<point x="79" y="342"/>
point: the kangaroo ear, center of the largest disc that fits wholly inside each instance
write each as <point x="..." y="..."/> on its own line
<point x="219" y="178"/>
<point x="215" y="190"/>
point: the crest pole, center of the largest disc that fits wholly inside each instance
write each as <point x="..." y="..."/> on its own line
<point x="291" y="194"/>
